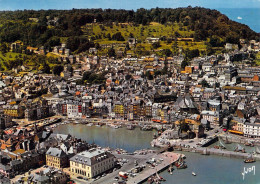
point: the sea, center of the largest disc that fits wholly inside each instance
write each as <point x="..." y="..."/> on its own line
<point x="209" y="169"/>
<point x="248" y="16"/>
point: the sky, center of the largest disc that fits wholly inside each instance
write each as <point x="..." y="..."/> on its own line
<point x="124" y="4"/>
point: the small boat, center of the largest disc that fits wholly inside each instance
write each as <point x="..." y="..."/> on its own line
<point x="193" y="173"/>
<point x="239" y="18"/>
<point x="257" y="150"/>
<point x="250" y="159"/>
<point x="239" y="148"/>
<point x="159" y="177"/>
<point x="90" y="124"/>
<point x="221" y="145"/>
<point x="180" y="163"/>
<point x="150" y="180"/>
<point x="130" y="127"/>
<point x="216" y="147"/>
<point x="170" y="169"/>
<point x="115" y="127"/>
<point x="181" y="166"/>
<point x="154" y="136"/>
<point x="249" y="144"/>
<point x="146" y="128"/>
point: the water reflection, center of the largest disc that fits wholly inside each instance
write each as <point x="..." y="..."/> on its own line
<point x="104" y="136"/>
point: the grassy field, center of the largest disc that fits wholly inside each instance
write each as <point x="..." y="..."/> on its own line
<point x="28" y="60"/>
<point x="257" y="60"/>
<point x="141" y="32"/>
<point x="9" y="56"/>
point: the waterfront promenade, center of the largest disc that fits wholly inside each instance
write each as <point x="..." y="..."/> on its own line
<point x="167" y="158"/>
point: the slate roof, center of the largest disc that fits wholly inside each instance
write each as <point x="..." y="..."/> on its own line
<point x="56" y="152"/>
<point x="91" y="157"/>
<point x="185" y="102"/>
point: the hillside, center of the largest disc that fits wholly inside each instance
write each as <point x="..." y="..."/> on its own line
<point x="84" y="28"/>
<point x="42" y="27"/>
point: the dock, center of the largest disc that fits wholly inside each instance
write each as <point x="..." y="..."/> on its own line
<point x="168" y="159"/>
<point x="209" y="142"/>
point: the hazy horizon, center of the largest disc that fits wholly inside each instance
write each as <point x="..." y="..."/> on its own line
<point x="122" y="4"/>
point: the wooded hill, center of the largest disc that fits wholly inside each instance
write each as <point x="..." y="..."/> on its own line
<point x="51" y="27"/>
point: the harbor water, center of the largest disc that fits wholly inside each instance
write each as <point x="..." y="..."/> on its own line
<point x="129" y="140"/>
<point x="214" y="170"/>
<point x="209" y="169"/>
<point x="233" y="146"/>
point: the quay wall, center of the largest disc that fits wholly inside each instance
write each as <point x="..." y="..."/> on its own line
<point x="241" y="140"/>
<point x="218" y="152"/>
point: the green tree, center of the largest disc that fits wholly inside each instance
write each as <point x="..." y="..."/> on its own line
<point x="46" y="68"/>
<point x="4" y="48"/>
<point x="70" y="68"/>
<point x="204" y="83"/>
<point x="57" y="69"/>
<point x="167" y="52"/>
<point x="175" y="48"/>
<point x="149" y="75"/>
<point x="118" y="37"/>
<point x="184" y="63"/>
<point x="111" y="52"/>
<point x="184" y="127"/>
<point x="86" y="75"/>
<point x="156" y="45"/>
<point x="131" y="35"/>
<point x="109" y="36"/>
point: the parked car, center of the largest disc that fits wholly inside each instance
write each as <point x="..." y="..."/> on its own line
<point x="80" y="177"/>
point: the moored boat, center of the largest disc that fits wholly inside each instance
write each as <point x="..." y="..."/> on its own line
<point x="221" y="145"/>
<point x="159" y="177"/>
<point x="249" y="144"/>
<point x="257" y="150"/>
<point x="146" y="128"/>
<point x="130" y="127"/>
<point x="239" y="148"/>
<point x="154" y="136"/>
<point x="170" y="169"/>
<point x="180" y="163"/>
<point x="250" y="159"/>
<point x="115" y="127"/>
<point x="216" y="147"/>
<point x="193" y="173"/>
